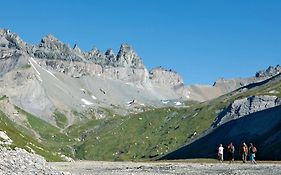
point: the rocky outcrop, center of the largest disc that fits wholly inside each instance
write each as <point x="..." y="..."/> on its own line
<point x="127" y="57"/>
<point x="246" y="106"/>
<point x="9" y="40"/>
<point x="269" y="72"/>
<point x="161" y="76"/>
<point x="19" y="161"/>
<point x="51" y="48"/>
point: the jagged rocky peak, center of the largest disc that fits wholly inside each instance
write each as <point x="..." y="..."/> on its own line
<point x="4" y="32"/>
<point x="52" y="48"/>
<point x="127" y="57"/>
<point x="269" y="72"/>
<point x="11" y="40"/>
<point x="53" y="43"/>
<point x="95" y="51"/>
<point x="164" y="76"/>
<point x="109" y="54"/>
<point x="77" y="50"/>
<point x="95" y="56"/>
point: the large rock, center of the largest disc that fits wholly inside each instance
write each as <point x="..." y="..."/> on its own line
<point x="246" y="106"/>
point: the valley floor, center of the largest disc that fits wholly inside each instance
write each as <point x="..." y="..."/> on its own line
<point x="166" y="168"/>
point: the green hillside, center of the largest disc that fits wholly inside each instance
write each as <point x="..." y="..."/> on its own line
<point x="23" y="139"/>
<point x="144" y="136"/>
<point x="149" y="135"/>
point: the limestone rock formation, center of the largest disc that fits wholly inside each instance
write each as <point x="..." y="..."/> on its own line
<point x="246" y="106"/>
<point x="170" y="77"/>
<point x="48" y="76"/>
<point x="127" y="57"/>
<point x="9" y="40"/>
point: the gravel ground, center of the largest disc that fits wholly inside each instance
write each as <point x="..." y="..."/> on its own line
<point x="165" y="168"/>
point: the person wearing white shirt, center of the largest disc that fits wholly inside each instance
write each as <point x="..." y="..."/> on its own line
<point x="220" y="152"/>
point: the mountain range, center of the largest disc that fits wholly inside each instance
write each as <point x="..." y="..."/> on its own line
<point x="107" y="106"/>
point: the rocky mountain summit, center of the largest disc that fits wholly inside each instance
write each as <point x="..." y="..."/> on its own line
<point x="62" y="77"/>
<point x="269" y="72"/>
<point x="66" y="78"/>
<point x="52" y="48"/>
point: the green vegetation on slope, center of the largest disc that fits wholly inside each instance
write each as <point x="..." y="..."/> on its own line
<point x="146" y="135"/>
<point x="61" y="119"/>
<point x="25" y="141"/>
<point x="49" y="135"/>
<point x="3" y="97"/>
<point x="151" y="134"/>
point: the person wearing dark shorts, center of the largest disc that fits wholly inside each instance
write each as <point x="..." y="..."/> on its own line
<point x="231" y="150"/>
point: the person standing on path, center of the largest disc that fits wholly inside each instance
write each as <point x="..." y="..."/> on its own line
<point x="244" y="152"/>
<point x="231" y="150"/>
<point x="252" y="153"/>
<point x="220" y="153"/>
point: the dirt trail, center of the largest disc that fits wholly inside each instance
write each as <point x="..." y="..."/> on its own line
<point x="166" y="168"/>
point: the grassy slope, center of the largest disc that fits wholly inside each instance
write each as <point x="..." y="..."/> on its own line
<point x="60" y="118"/>
<point x="22" y="140"/>
<point x="146" y="135"/>
<point x="49" y="135"/>
<point x="151" y="134"/>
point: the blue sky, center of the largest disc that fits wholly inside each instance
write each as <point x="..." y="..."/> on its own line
<point x="201" y="40"/>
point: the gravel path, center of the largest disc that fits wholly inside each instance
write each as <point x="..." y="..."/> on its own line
<point x="165" y="168"/>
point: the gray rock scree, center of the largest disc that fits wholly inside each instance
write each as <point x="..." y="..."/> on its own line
<point x="20" y="162"/>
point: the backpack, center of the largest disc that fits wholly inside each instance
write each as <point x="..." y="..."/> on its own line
<point x="231" y="148"/>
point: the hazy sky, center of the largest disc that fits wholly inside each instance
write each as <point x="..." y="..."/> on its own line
<point x="201" y="40"/>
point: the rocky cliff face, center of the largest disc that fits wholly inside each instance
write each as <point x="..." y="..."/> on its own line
<point x="9" y="40"/>
<point x="40" y="78"/>
<point x="54" y="54"/>
<point x="269" y="72"/>
<point x="246" y="106"/>
<point x="171" y="78"/>
<point x="51" y="48"/>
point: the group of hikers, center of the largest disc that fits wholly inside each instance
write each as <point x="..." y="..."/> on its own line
<point x="244" y="151"/>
